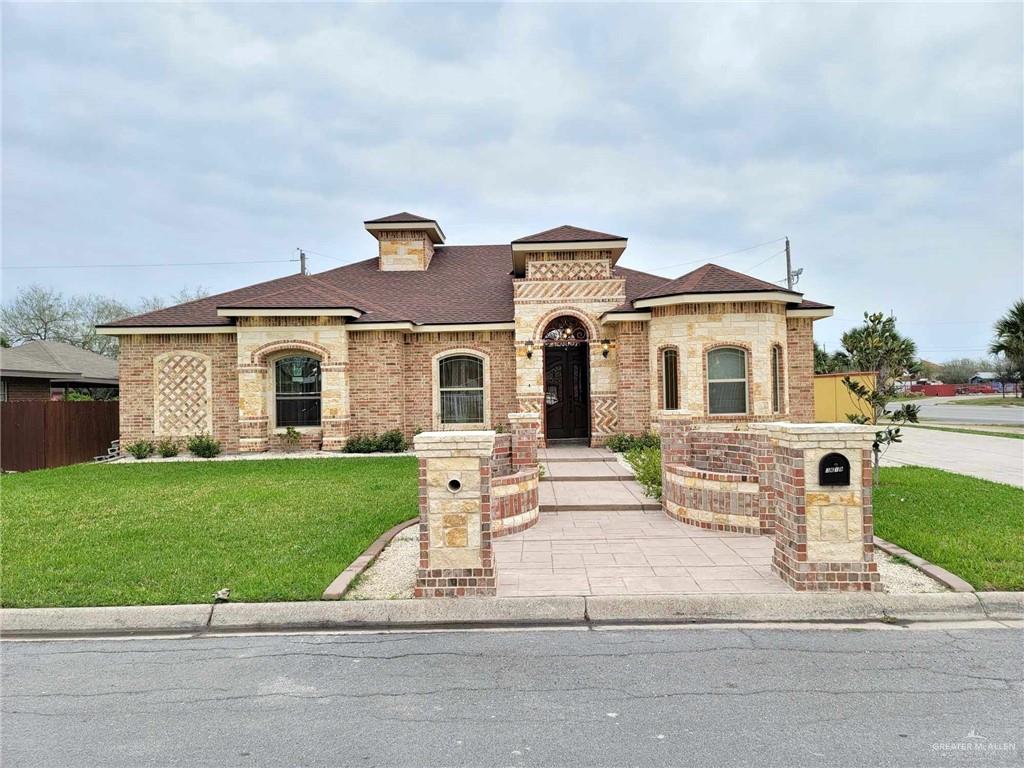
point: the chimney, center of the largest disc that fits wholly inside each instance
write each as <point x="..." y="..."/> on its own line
<point x="406" y="241"/>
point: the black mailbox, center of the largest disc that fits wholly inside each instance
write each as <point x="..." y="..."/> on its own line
<point x="834" y="469"/>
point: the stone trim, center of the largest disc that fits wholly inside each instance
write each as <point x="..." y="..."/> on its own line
<point x="262" y="354"/>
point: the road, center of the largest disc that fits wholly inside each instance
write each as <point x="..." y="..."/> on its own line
<point x="941" y="409"/>
<point x="659" y="697"/>
<point x="1000" y="459"/>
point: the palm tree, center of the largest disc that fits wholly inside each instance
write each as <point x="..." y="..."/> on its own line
<point x="1009" y="340"/>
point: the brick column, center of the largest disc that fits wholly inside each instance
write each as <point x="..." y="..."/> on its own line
<point x="800" y="375"/>
<point x="455" y="514"/>
<point x="673" y="426"/>
<point x="334" y="417"/>
<point x="525" y="433"/>
<point x="253" y="422"/>
<point x="823" y="533"/>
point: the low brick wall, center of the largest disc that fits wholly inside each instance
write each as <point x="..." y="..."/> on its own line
<point x="763" y="479"/>
<point x="515" y="502"/>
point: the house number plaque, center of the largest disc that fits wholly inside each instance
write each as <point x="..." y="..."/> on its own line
<point x="834" y="469"/>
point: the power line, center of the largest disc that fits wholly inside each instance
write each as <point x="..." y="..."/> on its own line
<point x="136" y="266"/>
<point x="722" y="255"/>
<point x="777" y="253"/>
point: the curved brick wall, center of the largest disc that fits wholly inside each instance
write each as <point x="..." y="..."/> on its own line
<point x="515" y="503"/>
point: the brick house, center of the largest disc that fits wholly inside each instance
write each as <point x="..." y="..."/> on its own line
<point x="429" y="336"/>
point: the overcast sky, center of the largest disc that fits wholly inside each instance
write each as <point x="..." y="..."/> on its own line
<point x="886" y="141"/>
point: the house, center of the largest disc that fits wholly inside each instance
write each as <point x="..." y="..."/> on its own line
<point x="984" y="377"/>
<point x="38" y="370"/>
<point x="431" y="336"/>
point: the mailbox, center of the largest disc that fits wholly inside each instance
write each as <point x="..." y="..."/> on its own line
<point x="834" y="469"/>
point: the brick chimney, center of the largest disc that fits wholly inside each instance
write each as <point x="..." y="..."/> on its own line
<point x="406" y="241"/>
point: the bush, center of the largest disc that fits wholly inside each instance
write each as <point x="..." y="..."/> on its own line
<point x="140" y="449"/>
<point x="203" y="446"/>
<point x="646" y="464"/>
<point x="167" y="448"/>
<point x="389" y="442"/>
<point x="292" y="437"/>
<point x="622" y="443"/>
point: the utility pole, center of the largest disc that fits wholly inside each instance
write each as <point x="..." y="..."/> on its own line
<point x="789" y="267"/>
<point x="302" y="260"/>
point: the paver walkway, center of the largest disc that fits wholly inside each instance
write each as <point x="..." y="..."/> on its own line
<point x="599" y="535"/>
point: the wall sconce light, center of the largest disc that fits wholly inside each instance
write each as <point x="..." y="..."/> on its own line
<point x="606" y="347"/>
<point x="529" y="348"/>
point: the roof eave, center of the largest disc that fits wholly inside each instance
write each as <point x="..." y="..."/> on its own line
<point x="432" y="228"/>
<point x="519" y="250"/>
<point x="288" y="312"/>
<point x="781" y="297"/>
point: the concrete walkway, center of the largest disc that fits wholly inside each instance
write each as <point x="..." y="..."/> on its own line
<point x="598" y="534"/>
<point x="1000" y="459"/>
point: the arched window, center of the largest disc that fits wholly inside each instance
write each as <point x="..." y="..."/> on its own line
<point x="297" y="391"/>
<point x="776" y="379"/>
<point x="461" y="389"/>
<point x="565" y="331"/>
<point x="727" y="381"/>
<point x="670" y="378"/>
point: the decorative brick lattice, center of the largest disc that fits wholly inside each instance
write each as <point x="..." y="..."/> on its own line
<point x="604" y="417"/>
<point x="568" y="270"/>
<point x="566" y="290"/>
<point x="182" y="389"/>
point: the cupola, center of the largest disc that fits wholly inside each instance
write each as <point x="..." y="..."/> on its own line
<point x="406" y="241"/>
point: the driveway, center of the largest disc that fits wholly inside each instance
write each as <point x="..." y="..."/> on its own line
<point x="1000" y="459"/>
<point x="942" y="409"/>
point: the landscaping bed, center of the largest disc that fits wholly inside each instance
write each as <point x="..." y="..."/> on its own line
<point x="176" y="532"/>
<point x="972" y="527"/>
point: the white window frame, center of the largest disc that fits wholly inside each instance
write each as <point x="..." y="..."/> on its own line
<point x="745" y="380"/>
<point x="485" y="360"/>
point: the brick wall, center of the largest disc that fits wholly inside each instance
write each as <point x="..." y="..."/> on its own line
<point x="376" y="381"/>
<point x="634" y="384"/>
<point x="20" y="388"/>
<point x="800" y="378"/>
<point x="136" y="373"/>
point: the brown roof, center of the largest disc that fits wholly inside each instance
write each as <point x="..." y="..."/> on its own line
<point x="711" y="278"/>
<point x="567" y="234"/>
<point x="808" y="304"/>
<point x="465" y="284"/>
<point x="400" y="218"/>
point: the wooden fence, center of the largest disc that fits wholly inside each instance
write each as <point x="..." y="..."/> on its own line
<point x="37" y="434"/>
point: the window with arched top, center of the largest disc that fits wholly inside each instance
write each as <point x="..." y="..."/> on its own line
<point x="727" y="381"/>
<point x="776" y="379"/>
<point x="461" y="389"/>
<point x="670" y="378"/>
<point x="297" y="391"/>
<point x="565" y="330"/>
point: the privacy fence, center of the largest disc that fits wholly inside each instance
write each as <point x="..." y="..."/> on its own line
<point x="38" y="434"/>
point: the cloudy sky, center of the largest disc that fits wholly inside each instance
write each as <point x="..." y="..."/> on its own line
<point x="885" y="141"/>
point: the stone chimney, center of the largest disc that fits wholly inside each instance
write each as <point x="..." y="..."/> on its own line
<point x="406" y="241"/>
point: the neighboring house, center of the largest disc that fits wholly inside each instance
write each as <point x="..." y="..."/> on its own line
<point x="37" y="369"/>
<point x="433" y="336"/>
<point x="984" y="377"/>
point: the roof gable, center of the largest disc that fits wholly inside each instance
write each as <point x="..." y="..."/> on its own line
<point x="711" y="278"/>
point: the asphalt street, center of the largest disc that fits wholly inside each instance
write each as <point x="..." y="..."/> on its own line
<point x="656" y="697"/>
<point x="942" y="410"/>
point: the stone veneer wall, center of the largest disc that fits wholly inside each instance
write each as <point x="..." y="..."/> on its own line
<point x="800" y="370"/>
<point x="696" y="328"/>
<point x="139" y="399"/>
<point x="404" y="250"/>
<point x="634" y="378"/>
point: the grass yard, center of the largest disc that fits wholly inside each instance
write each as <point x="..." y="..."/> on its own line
<point x="176" y="532"/>
<point x="997" y="400"/>
<point x="972" y="527"/>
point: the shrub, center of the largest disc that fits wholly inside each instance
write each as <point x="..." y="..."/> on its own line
<point x="392" y="442"/>
<point x="292" y="436"/>
<point x="621" y="442"/>
<point x="140" y="449"/>
<point x="646" y="464"/>
<point x="389" y="442"/>
<point x="167" y="448"/>
<point x="204" y="446"/>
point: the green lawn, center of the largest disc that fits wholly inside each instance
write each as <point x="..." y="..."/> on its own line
<point x="177" y="532"/>
<point x="971" y="527"/>
<point x="997" y="400"/>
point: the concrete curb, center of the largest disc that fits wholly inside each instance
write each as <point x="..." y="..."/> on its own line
<point x="941" y="575"/>
<point x="341" y="583"/>
<point x="513" y="611"/>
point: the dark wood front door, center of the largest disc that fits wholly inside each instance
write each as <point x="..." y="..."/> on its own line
<point x="566" y="392"/>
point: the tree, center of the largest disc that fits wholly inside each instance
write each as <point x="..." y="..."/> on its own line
<point x="43" y="314"/>
<point x="825" y="363"/>
<point x="1009" y="338"/>
<point x="877" y="346"/>
<point x="959" y="371"/>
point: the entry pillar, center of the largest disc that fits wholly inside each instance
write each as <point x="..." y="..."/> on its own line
<point x="456" y="559"/>
<point x="525" y="435"/>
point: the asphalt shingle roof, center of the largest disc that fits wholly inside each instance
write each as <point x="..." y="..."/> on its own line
<point x="567" y="234"/>
<point x="62" y="360"/>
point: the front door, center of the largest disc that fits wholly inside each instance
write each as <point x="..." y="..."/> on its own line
<point x="566" y="392"/>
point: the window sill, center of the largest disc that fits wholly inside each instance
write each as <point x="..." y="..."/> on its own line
<point x="300" y="430"/>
